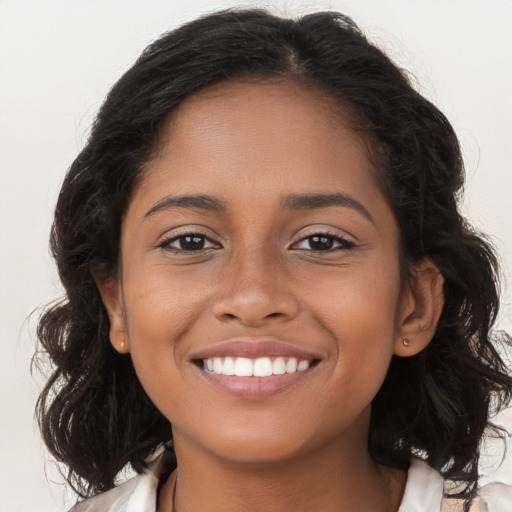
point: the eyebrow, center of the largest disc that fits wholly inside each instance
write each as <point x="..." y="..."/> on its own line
<point x="313" y="201"/>
<point x="201" y="202"/>
<point x="291" y="202"/>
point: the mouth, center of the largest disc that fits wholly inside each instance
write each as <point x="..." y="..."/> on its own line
<point x="260" y="367"/>
<point x="254" y="370"/>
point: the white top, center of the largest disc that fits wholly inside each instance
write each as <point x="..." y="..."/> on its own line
<point x="423" y="493"/>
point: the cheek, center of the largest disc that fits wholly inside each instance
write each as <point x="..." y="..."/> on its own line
<point x="159" y="301"/>
<point x="360" y="303"/>
<point x="360" y="314"/>
<point x="159" y="312"/>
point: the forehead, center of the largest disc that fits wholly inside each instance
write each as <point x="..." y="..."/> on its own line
<point x="244" y="102"/>
<point x="257" y="108"/>
<point x="254" y="139"/>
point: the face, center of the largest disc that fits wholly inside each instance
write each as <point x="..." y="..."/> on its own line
<point x="260" y="295"/>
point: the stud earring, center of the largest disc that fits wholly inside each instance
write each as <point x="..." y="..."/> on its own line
<point x="406" y="342"/>
<point x="122" y="344"/>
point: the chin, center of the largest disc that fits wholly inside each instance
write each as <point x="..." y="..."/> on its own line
<point x="258" y="443"/>
<point x="257" y="452"/>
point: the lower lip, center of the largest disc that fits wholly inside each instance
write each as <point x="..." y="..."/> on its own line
<point x="255" y="388"/>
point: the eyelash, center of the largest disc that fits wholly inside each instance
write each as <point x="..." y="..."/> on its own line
<point x="344" y="244"/>
<point x="165" y="244"/>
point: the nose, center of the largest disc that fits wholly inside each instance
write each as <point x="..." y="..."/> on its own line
<point x="255" y="292"/>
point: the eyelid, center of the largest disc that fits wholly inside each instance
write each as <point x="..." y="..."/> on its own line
<point x="165" y="240"/>
<point x="346" y="242"/>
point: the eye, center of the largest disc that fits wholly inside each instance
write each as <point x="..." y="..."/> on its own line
<point x="188" y="242"/>
<point x="324" y="242"/>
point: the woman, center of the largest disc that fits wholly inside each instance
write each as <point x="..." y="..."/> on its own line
<point x="270" y="291"/>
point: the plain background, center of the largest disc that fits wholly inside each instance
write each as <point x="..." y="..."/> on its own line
<point x="58" y="59"/>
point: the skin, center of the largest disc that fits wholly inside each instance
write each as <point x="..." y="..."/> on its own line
<point x="251" y="145"/>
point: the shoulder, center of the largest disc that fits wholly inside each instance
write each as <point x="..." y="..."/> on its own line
<point x="425" y="489"/>
<point x="494" y="497"/>
<point x="424" y="492"/>
<point x="139" y="494"/>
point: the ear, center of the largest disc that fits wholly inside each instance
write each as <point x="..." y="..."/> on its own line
<point x="110" y="291"/>
<point x="420" y="308"/>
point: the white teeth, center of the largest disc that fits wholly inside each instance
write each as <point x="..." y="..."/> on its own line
<point x="303" y="365"/>
<point x="229" y="366"/>
<point x="217" y="365"/>
<point x="243" y="367"/>
<point x="279" y="366"/>
<point x="261" y="367"/>
<point x="291" y="365"/>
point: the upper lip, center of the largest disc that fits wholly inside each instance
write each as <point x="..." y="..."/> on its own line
<point x="253" y="349"/>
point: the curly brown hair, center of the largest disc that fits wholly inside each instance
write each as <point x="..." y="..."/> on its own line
<point x="435" y="405"/>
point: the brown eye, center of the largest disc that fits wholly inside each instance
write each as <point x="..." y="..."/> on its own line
<point x="191" y="242"/>
<point x="323" y="242"/>
<point x="320" y="243"/>
<point x="188" y="242"/>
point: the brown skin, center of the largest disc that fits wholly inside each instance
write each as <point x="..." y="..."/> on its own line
<point x="251" y="145"/>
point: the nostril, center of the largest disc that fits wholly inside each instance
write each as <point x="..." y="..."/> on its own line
<point x="253" y="307"/>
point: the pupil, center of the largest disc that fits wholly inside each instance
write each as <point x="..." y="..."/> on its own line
<point x="320" y="243"/>
<point x="191" y="243"/>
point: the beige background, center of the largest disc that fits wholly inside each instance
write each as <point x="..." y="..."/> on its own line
<point x="58" y="59"/>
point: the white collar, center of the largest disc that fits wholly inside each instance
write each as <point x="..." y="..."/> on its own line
<point x="423" y="493"/>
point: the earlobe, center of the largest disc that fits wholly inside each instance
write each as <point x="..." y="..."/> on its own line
<point x="421" y="306"/>
<point x="110" y="291"/>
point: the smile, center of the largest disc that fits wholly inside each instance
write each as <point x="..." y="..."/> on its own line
<point x="255" y="369"/>
<point x="260" y="367"/>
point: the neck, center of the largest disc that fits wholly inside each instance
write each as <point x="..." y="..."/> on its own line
<point x="335" y="478"/>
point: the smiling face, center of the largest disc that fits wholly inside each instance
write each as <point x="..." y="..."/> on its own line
<point x="258" y="242"/>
